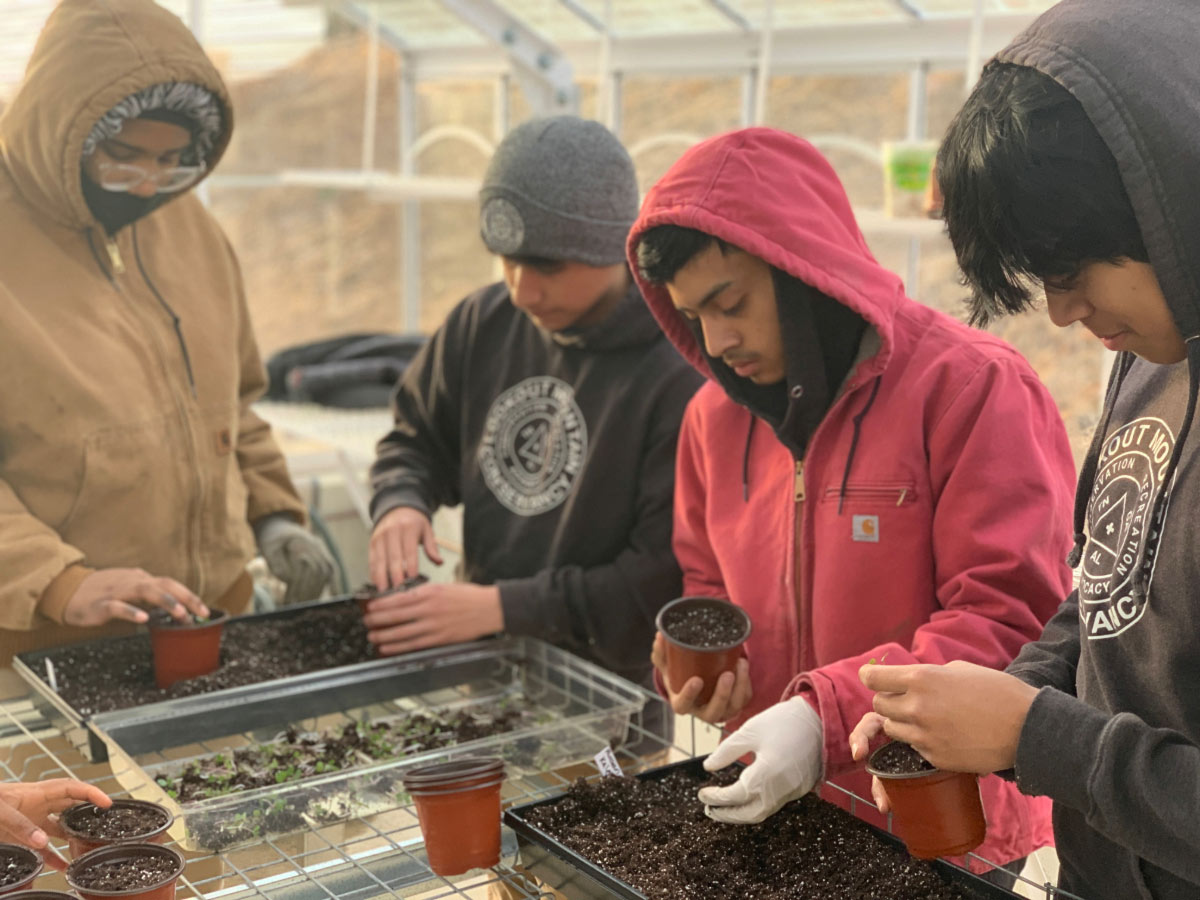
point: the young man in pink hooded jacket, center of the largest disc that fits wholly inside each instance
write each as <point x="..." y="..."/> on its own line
<point x="867" y="477"/>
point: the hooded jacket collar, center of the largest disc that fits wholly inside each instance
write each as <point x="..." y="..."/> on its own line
<point x="773" y="195"/>
<point x="1148" y="115"/>
<point x="90" y="56"/>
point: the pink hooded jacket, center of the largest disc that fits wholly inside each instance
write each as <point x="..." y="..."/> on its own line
<point x="938" y="486"/>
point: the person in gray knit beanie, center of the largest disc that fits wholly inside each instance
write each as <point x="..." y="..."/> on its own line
<point x="560" y="188"/>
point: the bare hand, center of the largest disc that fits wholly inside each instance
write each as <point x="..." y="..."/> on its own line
<point x="730" y="696"/>
<point x="392" y="556"/>
<point x="868" y="728"/>
<point x="109" y="594"/>
<point x="26" y="809"/>
<point x="960" y="716"/>
<point x="432" y="615"/>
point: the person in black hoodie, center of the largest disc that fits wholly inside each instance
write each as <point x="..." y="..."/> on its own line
<point x="1073" y="163"/>
<point x="548" y="405"/>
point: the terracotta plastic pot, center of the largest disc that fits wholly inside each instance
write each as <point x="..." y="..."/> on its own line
<point x="14" y="855"/>
<point x="935" y="813"/>
<point x="127" y="853"/>
<point x="80" y="842"/>
<point x="40" y="895"/>
<point x="458" y="806"/>
<point x="186" y="651"/>
<point x="686" y="661"/>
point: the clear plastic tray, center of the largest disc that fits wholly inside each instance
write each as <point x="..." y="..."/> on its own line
<point x="575" y="707"/>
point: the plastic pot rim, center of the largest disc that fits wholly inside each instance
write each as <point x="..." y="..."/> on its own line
<point x="21" y="850"/>
<point x="715" y="648"/>
<point x="124" y="803"/>
<point x="215" y="617"/>
<point x="117" y="852"/>
<point x="903" y="776"/>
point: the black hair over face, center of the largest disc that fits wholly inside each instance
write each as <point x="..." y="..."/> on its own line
<point x="1031" y="190"/>
<point x="665" y="249"/>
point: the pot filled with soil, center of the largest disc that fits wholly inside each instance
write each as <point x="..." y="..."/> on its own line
<point x="704" y="637"/>
<point x="18" y="867"/>
<point x="186" y="649"/>
<point x="132" y="871"/>
<point x="935" y="813"/>
<point x="369" y="592"/>
<point x="458" y="806"/>
<point x="88" y="826"/>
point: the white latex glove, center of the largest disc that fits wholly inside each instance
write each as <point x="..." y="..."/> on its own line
<point x="787" y="741"/>
<point x="295" y="556"/>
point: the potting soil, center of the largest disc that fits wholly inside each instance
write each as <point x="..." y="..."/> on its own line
<point x="705" y="626"/>
<point x="654" y="836"/>
<point x="124" y="874"/>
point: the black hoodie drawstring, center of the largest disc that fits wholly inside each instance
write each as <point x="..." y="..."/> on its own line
<point x="1087" y="474"/>
<point x="858" y="419"/>
<point x="746" y="462"/>
<point x="1158" y="512"/>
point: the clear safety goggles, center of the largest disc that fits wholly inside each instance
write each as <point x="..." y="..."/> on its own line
<point x="116" y="176"/>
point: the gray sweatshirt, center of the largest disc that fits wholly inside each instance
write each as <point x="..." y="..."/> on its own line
<point x="1114" y="735"/>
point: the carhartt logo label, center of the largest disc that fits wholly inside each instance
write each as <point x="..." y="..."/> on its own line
<point x="866" y="528"/>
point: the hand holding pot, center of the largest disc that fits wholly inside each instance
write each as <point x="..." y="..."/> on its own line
<point x="868" y="728"/>
<point x="393" y="557"/>
<point x="960" y="716"/>
<point x="295" y="556"/>
<point x="729" y="697"/>
<point x="109" y="594"/>
<point x="432" y="615"/>
<point x="26" y="809"/>
<point x="787" y="741"/>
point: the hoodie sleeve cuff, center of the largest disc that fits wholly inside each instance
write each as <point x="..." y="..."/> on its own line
<point x="1057" y="728"/>
<point x="518" y="602"/>
<point x="393" y="498"/>
<point x="58" y="593"/>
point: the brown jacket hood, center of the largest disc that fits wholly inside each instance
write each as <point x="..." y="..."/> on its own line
<point x="91" y="55"/>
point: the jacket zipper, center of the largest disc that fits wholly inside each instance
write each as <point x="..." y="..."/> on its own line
<point x="799" y="485"/>
<point x="118" y="268"/>
<point x="114" y="256"/>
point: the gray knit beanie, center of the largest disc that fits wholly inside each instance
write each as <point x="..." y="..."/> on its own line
<point x="560" y="188"/>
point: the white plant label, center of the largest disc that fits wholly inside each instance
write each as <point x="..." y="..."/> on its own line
<point x="606" y="762"/>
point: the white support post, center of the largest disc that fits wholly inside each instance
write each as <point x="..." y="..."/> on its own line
<point x="613" y="88"/>
<point x="501" y="108"/>
<point x="764" y="63"/>
<point x="975" y="46"/>
<point x="606" y="89"/>
<point x="749" y="85"/>
<point x="918" y="97"/>
<point x="410" y="209"/>
<point x="371" y="101"/>
<point x="542" y="70"/>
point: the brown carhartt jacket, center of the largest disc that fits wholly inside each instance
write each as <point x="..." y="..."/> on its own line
<point x="122" y="442"/>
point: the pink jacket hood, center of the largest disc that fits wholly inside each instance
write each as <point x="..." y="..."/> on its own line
<point x="775" y="196"/>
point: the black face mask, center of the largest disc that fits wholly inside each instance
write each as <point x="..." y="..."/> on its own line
<point x="116" y="209"/>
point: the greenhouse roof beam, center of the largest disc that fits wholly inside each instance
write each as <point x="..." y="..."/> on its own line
<point x="582" y="12"/>
<point x="359" y="16"/>
<point x="910" y="8"/>
<point x="731" y="14"/>
<point x="544" y="71"/>
<point x="942" y="41"/>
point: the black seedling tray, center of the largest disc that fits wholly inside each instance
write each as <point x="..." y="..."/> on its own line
<point x="577" y="878"/>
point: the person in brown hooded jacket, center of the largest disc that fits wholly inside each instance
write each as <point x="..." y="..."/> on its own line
<point x="133" y="472"/>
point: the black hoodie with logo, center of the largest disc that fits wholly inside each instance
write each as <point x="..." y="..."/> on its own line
<point x="561" y="449"/>
<point x="1114" y="735"/>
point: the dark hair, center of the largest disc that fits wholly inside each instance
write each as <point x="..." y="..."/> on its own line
<point x="665" y="249"/>
<point x="1031" y="190"/>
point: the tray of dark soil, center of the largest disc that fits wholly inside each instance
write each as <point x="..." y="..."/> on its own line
<point x="532" y="704"/>
<point x="647" y="838"/>
<point x="96" y="680"/>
